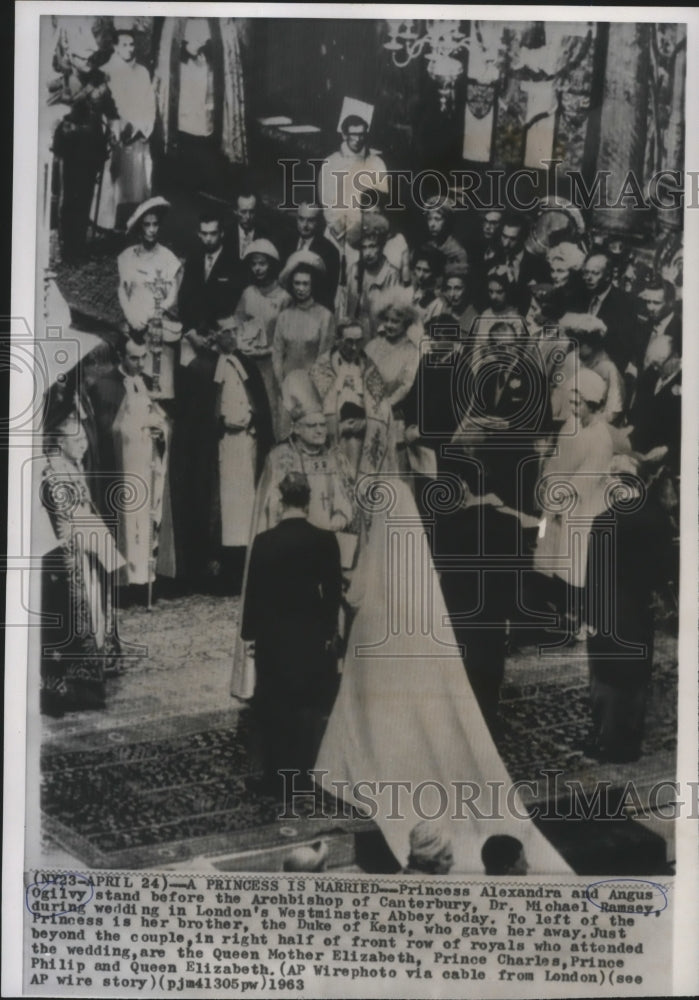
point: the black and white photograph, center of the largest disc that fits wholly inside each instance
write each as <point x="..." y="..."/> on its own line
<point x="355" y="463"/>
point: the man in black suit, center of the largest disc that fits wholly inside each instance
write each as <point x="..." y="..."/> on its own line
<point x="290" y="617"/>
<point x="658" y="318"/>
<point x="210" y="280"/>
<point x="210" y="289"/>
<point x="526" y="268"/>
<point x="614" y="307"/>
<point x="309" y="219"/>
<point x="248" y="226"/>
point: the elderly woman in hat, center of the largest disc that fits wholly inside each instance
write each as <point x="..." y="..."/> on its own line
<point x="149" y="280"/>
<point x="371" y="275"/>
<point x="305" y="329"/>
<point x="572" y="491"/>
<point x="587" y="333"/>
<point x="393" y="350"/>
<point x="565" y="263"/>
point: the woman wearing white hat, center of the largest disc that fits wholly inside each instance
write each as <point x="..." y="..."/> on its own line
<point x="305" y="329"/>
<point x="587" y="334"/>
<point x="264" y="298"/>
<point x="259" y="306"/>
<point x="149" y="280"/>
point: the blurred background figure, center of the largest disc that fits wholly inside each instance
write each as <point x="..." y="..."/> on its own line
<point x="430" y="850"/>
<point x="126" y="177"/>
<point x="504" y="855"/>
<point x="309" y="858"/>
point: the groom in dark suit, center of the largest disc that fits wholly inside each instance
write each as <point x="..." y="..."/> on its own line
<point x="290" y="619"/>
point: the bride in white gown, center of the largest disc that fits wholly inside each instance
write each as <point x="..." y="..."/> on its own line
<point x="405" y="711"/>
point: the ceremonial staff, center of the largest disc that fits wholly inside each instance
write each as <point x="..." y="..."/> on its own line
<point x="155" y="343"/>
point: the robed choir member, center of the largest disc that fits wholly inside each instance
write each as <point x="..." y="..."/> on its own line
<point x="245" y="437"/>
<point x="133" y="443"/>
<point x="290" y="615"/>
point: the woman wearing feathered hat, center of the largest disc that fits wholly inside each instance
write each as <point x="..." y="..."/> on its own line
<point x="371" y="275"/>
<point x="149" y="280"/>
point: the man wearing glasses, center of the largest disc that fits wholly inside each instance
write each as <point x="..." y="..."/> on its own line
<point x="353" y="169"/>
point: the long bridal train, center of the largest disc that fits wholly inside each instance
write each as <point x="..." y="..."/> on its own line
<point x="405" y="711"/>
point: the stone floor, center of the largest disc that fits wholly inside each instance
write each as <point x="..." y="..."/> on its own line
<point x="179" y="677"/>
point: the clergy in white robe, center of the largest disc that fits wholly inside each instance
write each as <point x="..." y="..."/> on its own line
<point x="141" y="443"/>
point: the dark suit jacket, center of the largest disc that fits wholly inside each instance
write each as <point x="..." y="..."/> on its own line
<point x="327" y="285"/>
<point x="642" y="334"/>
<point x="201" y="302"/>
<point x="292" y="600"/>
<point x="531" y="269"/>
<point x="656" y="417"/>
<point x="618" y="314"/>
<point x="262" y="231"/>
<point x="520" y="395"/>
<point x="432" y="403"/>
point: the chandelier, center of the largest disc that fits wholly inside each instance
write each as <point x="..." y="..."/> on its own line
<point x="439" y="42"/>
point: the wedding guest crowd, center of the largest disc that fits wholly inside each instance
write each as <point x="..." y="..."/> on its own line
<point x="260" y="379"/>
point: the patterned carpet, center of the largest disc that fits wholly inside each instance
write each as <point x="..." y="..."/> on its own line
<point x="145" y="785"/>
<point x="90" y="287"/>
